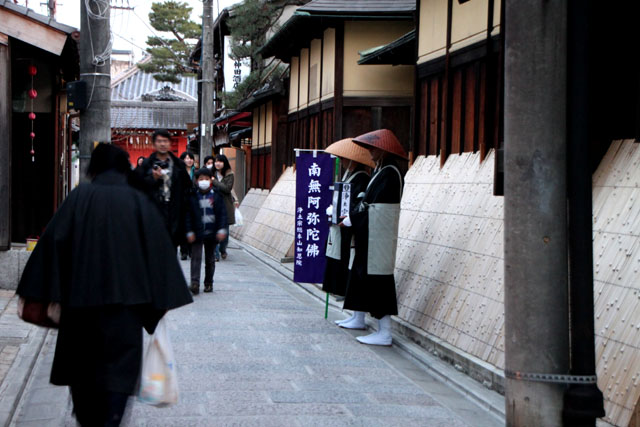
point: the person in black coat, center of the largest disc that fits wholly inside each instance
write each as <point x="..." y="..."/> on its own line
<point x="336" y="272"/>
<point x="164" y="178"/>
<point x="107" y="260"/>
<point x="339" y="241"/>
<point x="206" y="226"/>
<point x="371" y="287"/>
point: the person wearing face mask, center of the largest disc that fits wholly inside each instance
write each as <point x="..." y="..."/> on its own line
<point x="371" y="286"/>
<point x="208" y="162"/>
<point x="223" y="180"/>
<point x="206" y="226"/>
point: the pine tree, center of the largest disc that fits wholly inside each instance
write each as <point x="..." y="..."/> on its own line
<point x="170" y="55"/>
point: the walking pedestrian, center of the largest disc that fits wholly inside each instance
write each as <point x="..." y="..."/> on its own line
<point x="107" y="261"/>
<point x="140" y="161"/>
<point x="371" y="287"/>
<point x="164" y="178"/>
<point x="338" y="249"/>
<point x="223" y="180"/>
<point x="189" y="162"/>
<point x="206" y="226"/>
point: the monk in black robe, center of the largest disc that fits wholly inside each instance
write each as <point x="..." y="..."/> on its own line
<point x="338" y="250"/>
<point x="371" y="287"/>
<point x="107" y="259"/>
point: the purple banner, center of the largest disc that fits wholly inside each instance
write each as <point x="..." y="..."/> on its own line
<point x="314" y="176"/>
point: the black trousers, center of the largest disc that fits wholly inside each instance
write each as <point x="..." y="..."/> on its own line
<point x="209" y="245"/>
<point x="185" y="248"/>
<point x="98" y="408"/>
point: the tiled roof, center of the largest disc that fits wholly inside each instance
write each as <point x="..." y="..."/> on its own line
<point x="173" y="115"/>
<point x="131" y="84"/>
<point x="340" y="7"/>
<point x="317" y="15"/>
<point x="10" y="5"/>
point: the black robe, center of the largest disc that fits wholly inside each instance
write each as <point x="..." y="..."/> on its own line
<point x="371" y="293"/>
<point x="336" y="273"/>
<point x="107" y="258"/>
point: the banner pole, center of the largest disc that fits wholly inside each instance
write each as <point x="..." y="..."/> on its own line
<point x="336" y="177"/>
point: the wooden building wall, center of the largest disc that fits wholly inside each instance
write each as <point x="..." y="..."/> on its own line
<point x="458" y="94"/>
<point x="375" y="80"/>
<point x="261" y="142"/>
<point x="331" y="96"/>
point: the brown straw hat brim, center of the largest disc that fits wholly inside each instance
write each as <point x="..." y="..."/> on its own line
<point x="347" y="149"/>
<point x="383" y="139"/>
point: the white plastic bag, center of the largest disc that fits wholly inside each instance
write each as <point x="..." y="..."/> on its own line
<point x="158" y="381"/>
<point x="239" y="218"/>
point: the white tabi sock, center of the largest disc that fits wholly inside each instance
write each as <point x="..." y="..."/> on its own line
<point x="382" y="336"/>
<point x="337" y="322"/>
<point x="353" y="316"/>
<point x="356" y="323"/>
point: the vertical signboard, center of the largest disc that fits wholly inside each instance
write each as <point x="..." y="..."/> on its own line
<point x="314" y="177"/>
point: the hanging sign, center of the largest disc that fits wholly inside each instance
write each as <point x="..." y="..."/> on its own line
<point x="314" y="177"/>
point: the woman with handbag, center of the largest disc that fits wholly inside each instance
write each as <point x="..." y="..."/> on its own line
<point x="107" y="263"/>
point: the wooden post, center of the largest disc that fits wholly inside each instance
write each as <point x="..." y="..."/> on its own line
<point x="339" y="83"/>
<point x="5" y="143"/>
<point x="445" y="141"/>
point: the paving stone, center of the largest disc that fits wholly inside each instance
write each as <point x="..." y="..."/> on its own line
<point x="328" y="396"/>
<point x="43" y="411"/>
<point x="431" y="412"/>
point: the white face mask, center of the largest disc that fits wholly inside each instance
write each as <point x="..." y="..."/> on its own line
<point x="209" y="166"/>
<point x="204" y="185"/>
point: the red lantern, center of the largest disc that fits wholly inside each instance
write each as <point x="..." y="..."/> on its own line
<point x="32" y="135"/>
<point x="32" y="116"/>
<point x="33" y="70"/>
<point x="33" y="94"/>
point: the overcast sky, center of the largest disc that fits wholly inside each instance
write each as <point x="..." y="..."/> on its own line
<point x="131" y="27"/>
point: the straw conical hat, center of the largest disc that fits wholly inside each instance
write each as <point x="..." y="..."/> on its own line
<point x="383" y="139"/>
<point x="346" y="149"/>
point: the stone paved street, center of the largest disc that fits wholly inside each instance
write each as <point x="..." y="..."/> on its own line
<point x="259" y="352"/>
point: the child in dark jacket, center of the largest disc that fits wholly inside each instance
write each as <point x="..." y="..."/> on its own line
<point x="206" y="226"/>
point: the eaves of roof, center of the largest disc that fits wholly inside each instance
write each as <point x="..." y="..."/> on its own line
<point x="269" y="91"/>
<point x="359" y="7"/>
<point x="399" y="52"/>
<point x="29" y="13"/>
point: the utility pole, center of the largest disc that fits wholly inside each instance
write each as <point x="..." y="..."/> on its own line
<point x="95" y="63"/>
<point x="535" y="181"/>
<point x="208" y="72"/>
